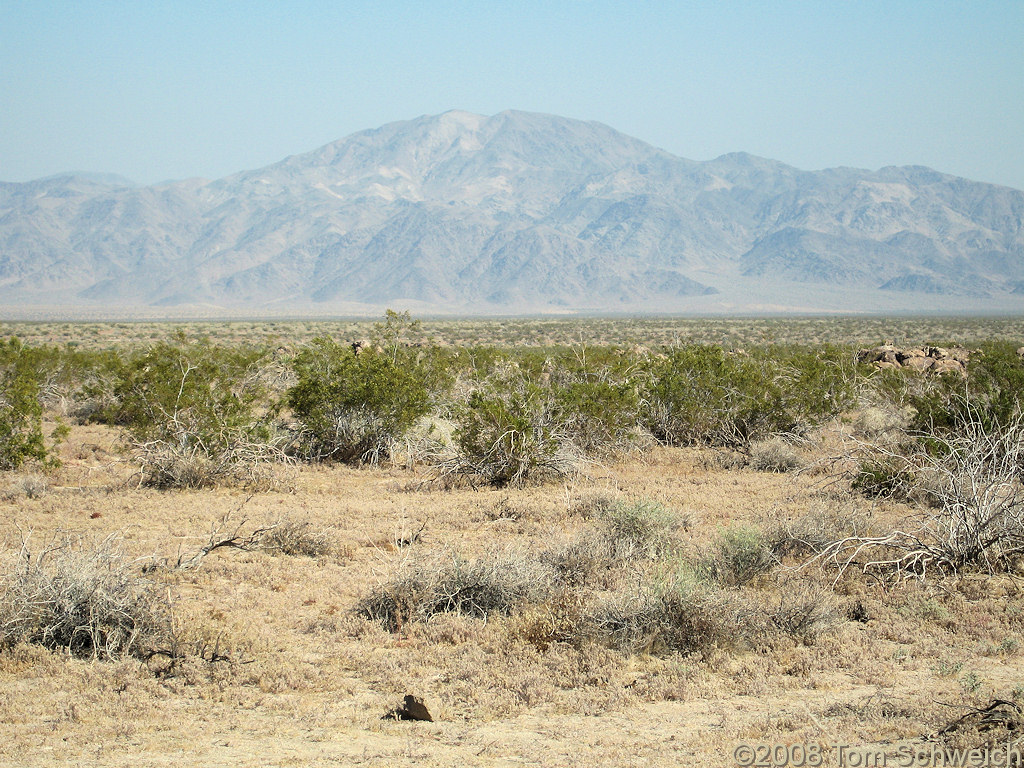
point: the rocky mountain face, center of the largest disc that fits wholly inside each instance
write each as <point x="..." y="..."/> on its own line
<point x="518" y="212"/>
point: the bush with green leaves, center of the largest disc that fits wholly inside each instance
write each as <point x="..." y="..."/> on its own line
<point x="510" y="429"/>
<point x="353" y="407"/>
<point x="21" y="411"/>
<point x="197" y="415"/>
<point x="701" y="394"/>
<point x="597" y="398"/>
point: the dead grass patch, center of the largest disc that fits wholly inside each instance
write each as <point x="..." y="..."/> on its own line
<point x="427" y="586"/>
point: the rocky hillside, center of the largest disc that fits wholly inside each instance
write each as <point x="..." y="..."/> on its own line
<point x="517" y="212"/>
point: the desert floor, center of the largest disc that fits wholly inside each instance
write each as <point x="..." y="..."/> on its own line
<point x="287" y="674"/>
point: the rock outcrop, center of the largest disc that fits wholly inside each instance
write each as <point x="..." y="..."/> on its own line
<point x="922" y="359"/>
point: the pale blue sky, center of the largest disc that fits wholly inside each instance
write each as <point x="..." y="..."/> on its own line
<point x="157" y="90"/>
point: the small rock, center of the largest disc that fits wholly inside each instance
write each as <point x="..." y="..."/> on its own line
<point x="412" y="708"/>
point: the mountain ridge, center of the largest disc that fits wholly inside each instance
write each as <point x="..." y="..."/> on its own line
<point x="517" y="212"/>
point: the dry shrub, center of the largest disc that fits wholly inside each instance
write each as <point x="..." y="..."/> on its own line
<point x="974" y="519"/>
<point x="184" y="464"/>
<point x="812" y="532"/>
<point x="586" y="561"/>
<point x="560" y="620"/>
<point x="686" y="614"/>
<point x="627" y="532"/>
<point x="493" y="584"/>
<point x="774" y="454"/>
<point x="880" y="420"/>
<point x="297" y="539"/>
<point x="638" y="529"/>
<point x="87" y="602"/>
<point x="31" y="486"/>
<point x="592" y="503"/>
<point x="683" y="615"/>
<point x="429" y="441"/>
<point x="738" y="556"/>
<point x="801" y="611"/>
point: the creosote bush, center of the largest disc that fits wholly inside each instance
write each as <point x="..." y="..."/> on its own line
<point x="354" y="407"/>
<point x="597" y="400"/>
<point x="197" y="415"/>
<point x="21" y="410"/>
<point x="509" y="430"/>
<point x="702" y="395"/>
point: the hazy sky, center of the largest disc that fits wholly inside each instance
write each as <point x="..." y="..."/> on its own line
<point x="157" y="90"/>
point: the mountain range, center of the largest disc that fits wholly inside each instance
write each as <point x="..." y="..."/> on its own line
<point x="513" y="213"/>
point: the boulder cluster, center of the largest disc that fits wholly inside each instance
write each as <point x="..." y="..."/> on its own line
<point x="930" y="359"/>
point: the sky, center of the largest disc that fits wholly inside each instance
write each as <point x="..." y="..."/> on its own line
<point x="167" y="90"/>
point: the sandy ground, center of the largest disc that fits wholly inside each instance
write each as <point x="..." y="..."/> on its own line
<point x="307" y="682"/>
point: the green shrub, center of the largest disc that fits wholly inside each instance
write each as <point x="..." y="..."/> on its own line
<point x="354" y="407"/>
<point x="196" y="414"/>
<point x="597" y="400"/>
<point x="699" y="394"/>
<point x="21" y="412"/>
<point x="992" y="391"/>
<point x="509" y="430"/>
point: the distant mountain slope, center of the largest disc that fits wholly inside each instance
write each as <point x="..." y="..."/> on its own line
<point x="511" y="213"/>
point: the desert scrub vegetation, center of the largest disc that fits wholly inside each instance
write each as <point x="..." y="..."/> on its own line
<point x="509" y="429"/>
<point x="738" y="556"/>
<point x="992" y="390"/>
<point x="625" y="533"/>
<point x="625" y="584"/>
<point x="21" y="409"/>
<point x="704" y="395"/>
<point x="197" y="415"/>
<point x="531" y="417"/>
<point x="971" y="509"/>
<point x="354" y="405"/>
<point x="88" y="601"/>
<point x="429" y="585"/>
